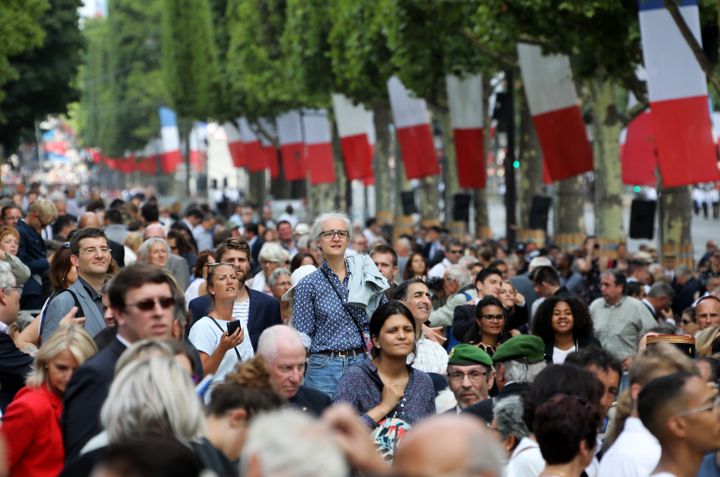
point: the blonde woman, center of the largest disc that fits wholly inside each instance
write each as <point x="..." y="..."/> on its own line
<point x="31" y="424"/>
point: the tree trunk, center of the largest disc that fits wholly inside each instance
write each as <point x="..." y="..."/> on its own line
<point x="569" y="213"/>
<point x="383" y="151"/>
<point x="530" y="165"/>
<point x="606" y="151"/>
<point x="257" y="190"/>
<point x="450" y="172"/>
<point x="675" y="227"/>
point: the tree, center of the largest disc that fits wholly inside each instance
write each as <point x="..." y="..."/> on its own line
<point x="43" y="74"/>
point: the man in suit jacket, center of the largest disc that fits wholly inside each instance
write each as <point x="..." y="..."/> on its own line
<point x="33" y="252"/>
<point x="14" y="364"/>
<point x="284" y="354"/>
<point x="91" y="256"/>
<point x="138" y="298"/>
<point x="263" y="310"/>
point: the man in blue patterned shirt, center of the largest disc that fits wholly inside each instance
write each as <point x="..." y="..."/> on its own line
<point x="333" y="332"/>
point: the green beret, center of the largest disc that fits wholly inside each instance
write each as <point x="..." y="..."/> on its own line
<point x="528" y="347"/>
<point x="466" y="354"/>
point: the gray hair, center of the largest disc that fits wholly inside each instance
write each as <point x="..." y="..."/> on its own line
<point x="267" y="346"/>
<point x="288" y="443"/>
<point x="508" y="413"/>
<point x="468" y="261"/>
<point x="520" y="372"/>
<point x="486" y="455"/>
<point x="7" y="279"/>
<point x="459" y="274"/>
<point x="152" y="395"/>
<point x="273" y="252"/>
<point x="661" y="289"/>
<point x="144" y="251"/>
<point x="322" y="218"/>
<point x="276" y="274"/>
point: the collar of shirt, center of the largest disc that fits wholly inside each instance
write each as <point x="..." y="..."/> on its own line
<point x="3" y="327"/>
<point x="94" y="294"/>
<point x="327" y="268"/>
<point x="616" y="305"/>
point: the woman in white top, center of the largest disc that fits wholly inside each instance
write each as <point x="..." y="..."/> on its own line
<point x="198" y="286"/>
<point x="219" y="350"/>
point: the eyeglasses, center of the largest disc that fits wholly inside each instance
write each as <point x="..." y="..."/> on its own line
<point x="93" y="250"/>
<point x="329" y="234"/>
<point x="474" y="376"/>
<point x="499" y="317"/>
<point x="19" y="288"/>
<point x="686" y="321"/>
<point x="708" y="407"/>
<point x="455" y="252"/>
<point x="149" y="304"/>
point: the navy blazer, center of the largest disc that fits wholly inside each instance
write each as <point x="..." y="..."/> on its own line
<point x="14" y="368"/>
<point x="264" y="312"/>
<point x="33" y="253"/>
<point x="84" y="398"/>
<point x="310" y="400"/>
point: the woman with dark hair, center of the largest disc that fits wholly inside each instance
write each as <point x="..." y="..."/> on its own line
<point x="565" y="325"/>
<point x="180" y="245"/>
<point x="198" y="286"/>
<point x="417" y="267"/>
<point x="566" y="431"/>
<point x="300" y="259"/>
<point x="386" y="386"/>
<point x="488" y="331"/>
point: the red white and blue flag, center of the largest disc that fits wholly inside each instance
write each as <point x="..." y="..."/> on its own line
<point x="353" y="121"/>
<point x="198" y="146"/>
<point x="318" y="146"/>
<point x="268" y="148"/>
<point x="678" y="96"/>
<point x="252" y="149"/>
<point x="235" y="143"/>
<point x="170" y="156"/>
<point x="412" y="125"/>
<point x="466" y="116"/>
<point x="555" y="112"/>
<point x="290" y="135"/>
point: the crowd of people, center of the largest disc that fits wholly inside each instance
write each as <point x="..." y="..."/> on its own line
<point x="142" y="340"/>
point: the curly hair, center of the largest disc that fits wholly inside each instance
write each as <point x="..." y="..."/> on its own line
<point x="542" y="321"/>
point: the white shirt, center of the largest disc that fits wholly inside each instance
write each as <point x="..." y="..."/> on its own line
<point x="439" y="269"/>
<point x="526" y="460"/>
<point x="430" y="357"/>
<point x="560" y="355"/>
<point x="193" y="290"/>
<point x="635" y="453"/>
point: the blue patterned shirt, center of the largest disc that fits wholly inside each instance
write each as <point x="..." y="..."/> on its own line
<point x="321" y="318"/>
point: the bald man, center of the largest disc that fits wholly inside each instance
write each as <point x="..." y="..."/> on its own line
<point x="284" y="353"/>
<point x="177" y="266"/>
<point x="449" y="444"/>
<point x="90" y="220"/>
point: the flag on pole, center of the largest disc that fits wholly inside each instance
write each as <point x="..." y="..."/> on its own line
<point x="170" y="156"/>
<point x="268" y="148"/>
<point x="290" y="135"/>
<point x="235" y="143"/>
<point x="318" y="146"/>
<point x="413" y="131"/>
<point x="352" y="123"/>
<point x="555" y="112"/>
<point x="466" y="116"/>
<point x="637" y="152"/>
<point x="198" y="147"/>
<point x="678" y="96"/>
<point x="254" y="154"/>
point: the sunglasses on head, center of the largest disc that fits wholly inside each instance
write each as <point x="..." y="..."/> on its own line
<point x="149" y="304"/>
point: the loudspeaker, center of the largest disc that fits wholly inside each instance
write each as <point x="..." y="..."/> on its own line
<point x="461" y="207"/>
<point x="407" y="198"/>
<point x="642" y="219"/>
<point x="539" y="212"/>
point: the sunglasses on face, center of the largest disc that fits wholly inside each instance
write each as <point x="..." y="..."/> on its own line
<point x="149" y="304"/>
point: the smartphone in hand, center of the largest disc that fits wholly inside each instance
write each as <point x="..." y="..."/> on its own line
<point x="233" y="326"/>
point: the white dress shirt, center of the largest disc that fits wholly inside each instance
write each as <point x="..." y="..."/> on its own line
<point x="635" y="453"/>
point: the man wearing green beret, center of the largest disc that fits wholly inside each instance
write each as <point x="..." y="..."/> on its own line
<point x="470" y="374"/>
<point x="517" y="361"/>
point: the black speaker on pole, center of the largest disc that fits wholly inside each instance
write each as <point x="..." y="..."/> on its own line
<point x="461" y="207"/>
<point x="539" y="210"/>
<point x="642" y="219"/>
<point x="407" y="197"/>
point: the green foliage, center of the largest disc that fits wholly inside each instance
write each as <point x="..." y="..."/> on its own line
<point x="189" y="57"/>
<point x="44" y="74"/>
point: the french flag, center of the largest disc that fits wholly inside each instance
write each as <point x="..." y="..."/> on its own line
<point x="149" y="156"/>
<point x="466" y="116"/>
<point x="235" y="143"/>
<point x="290" y="135"/>
<point x="637" y="151"/>
<point x="353" y="122"/>
<point x="555" y="112"/>
<point x="413" y="131"/>
<point x="678" y="96"/>
<point x="268" y="148"/>
<point x="254" y="154"/>
<point x="318" y="146"/>
<point x="170" y="156"/>
<point x="198" y="148"/>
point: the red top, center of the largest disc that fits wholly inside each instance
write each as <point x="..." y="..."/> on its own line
<point x="31" y="426"/>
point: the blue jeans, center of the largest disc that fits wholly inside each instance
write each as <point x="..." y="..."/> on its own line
<point x="324" y="372"/>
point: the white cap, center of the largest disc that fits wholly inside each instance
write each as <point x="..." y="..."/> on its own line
<point x="539" y="262"/>
<point x="297" y="275"/>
